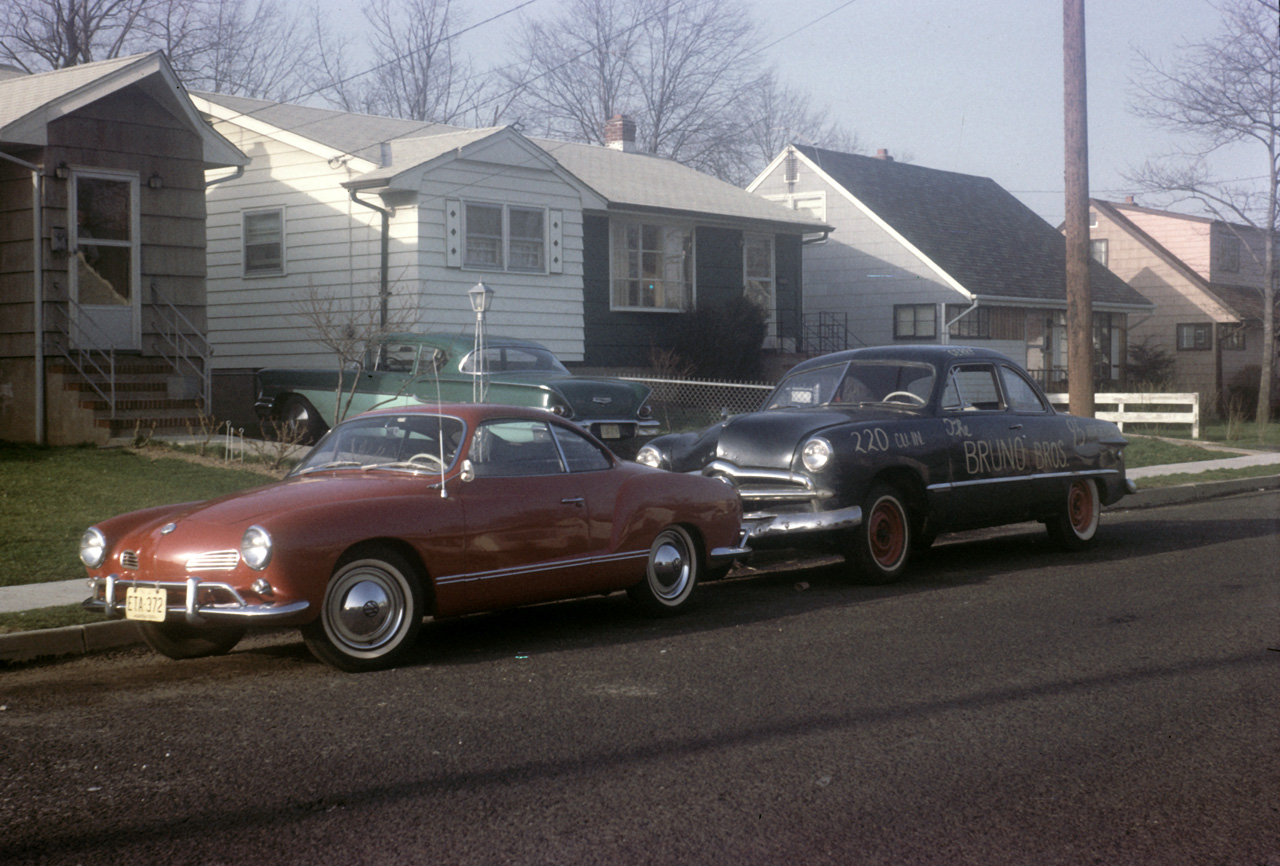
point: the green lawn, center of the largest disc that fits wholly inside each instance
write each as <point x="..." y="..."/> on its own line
<point x="49" y="496"/>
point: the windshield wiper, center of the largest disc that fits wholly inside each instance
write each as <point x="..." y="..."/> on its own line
<point x="335" y="464"/>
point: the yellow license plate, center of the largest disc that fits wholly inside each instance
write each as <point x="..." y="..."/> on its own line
<point x="146" y="603"/>
<point x="610" y="431"/>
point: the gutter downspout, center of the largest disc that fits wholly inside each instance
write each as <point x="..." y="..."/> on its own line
<point x="946" y="330"/>
<point x="37" y="275"/>
<point x="384" y="289"/>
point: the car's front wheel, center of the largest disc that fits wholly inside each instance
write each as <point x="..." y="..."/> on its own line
<point x="371" y="613"/>
<point x="1075" y="526"/>
<point x="300" y="420"/>
<point x="180" y="640"/>
<point x="671" y="573"/>
<point x="880" y="547"/>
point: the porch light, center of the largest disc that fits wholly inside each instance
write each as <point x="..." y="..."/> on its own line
<point x="481" y="298"/>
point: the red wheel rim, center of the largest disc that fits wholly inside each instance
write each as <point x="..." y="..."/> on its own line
<point x="887" y="533"/>
<point x="1080" y="507"/>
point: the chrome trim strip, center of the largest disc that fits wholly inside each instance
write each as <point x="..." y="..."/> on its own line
<point x="726" y="555"/>
<point x="1041" y="476"/>
<point x="559" y="565"/>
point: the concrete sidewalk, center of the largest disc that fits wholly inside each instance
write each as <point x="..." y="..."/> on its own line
<point x="76" y="640"/>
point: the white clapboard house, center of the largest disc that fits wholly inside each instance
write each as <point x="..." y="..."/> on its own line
<point x="588" y="249"/>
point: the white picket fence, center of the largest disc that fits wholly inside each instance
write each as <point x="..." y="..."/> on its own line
<point x="1132" y="409"/>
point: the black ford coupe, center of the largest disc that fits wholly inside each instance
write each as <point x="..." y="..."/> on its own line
<point x="874" y="452"/>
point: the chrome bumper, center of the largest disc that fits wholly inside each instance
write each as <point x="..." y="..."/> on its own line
<point x="109" y="598"/>
<point x="764" y="525"/>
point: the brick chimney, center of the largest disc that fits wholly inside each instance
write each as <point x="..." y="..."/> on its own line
<point x="883" y="153"/>
<point x="1129" y="200"/>
<point x="620" y="133"/>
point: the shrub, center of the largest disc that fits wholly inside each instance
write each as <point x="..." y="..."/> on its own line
<point x="723" y="341"/>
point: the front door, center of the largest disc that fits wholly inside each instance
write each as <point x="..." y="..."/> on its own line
<point x="105" y="269"/>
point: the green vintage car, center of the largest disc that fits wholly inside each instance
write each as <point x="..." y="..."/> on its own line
<point x="412" y="369"/>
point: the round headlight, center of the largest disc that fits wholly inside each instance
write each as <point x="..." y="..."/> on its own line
<point x="816" y="454"/>
<point x="649" y="456"/>
<point x="255" y="548"/>
<point x="93" y="547"/>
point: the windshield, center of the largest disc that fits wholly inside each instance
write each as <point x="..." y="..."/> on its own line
<point x="856" y="383"/>
<point x="413" y="443"/>
<point x="514" y="359"/>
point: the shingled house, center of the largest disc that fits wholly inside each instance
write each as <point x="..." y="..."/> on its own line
<point x="928" y="256"/>
<point x="102" y="250"/>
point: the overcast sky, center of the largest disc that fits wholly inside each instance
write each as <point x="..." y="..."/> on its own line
<point x="972" y="86"/>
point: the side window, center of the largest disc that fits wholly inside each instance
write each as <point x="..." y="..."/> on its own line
<point x="580" y="453"/>
<point x="507" y="449"/>
<point x="395" y="358"/>
<point x="972" y="388"/>
<point x="1021" y="393"/>
<point x="264" y="242"/>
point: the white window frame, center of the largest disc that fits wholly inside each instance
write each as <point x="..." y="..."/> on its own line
<point x="687" y="262"/>
<point x="506" y="241"/>
<point x="916" y="319"/>
<point x="278" y="270"/>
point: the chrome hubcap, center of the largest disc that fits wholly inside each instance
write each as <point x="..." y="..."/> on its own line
<point x="367" y="607"/>
<point x="669" y="567"/>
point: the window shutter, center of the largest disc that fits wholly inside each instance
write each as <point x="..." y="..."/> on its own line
<point x="452" y="233"/>
<point x="555" y="238"/>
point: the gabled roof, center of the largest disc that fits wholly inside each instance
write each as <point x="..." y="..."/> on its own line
<point x="1243" y="302"/>
<point x="641" y="181"/>
<point x="29" y="103"/>
<point x="359" y="135"/>
<point x="625" y="181"/>
<point x="987" y="242"/>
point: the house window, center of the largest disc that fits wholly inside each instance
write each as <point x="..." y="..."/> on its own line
<point x="1231" y="337"/>
<point x="1229" y="254"/>
<point x="757" y="253"/>
<point x="264" y="242"/>
<point x="915" y="321"/>
<point x="652" y="267"/>
<point x="1098" y="251"/>
<point x="504" y="237"/>
<point x="1195" y="337"/>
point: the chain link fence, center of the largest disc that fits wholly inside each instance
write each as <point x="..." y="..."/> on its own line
<point x="687" y="404"/>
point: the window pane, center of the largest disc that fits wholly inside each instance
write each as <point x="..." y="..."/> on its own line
<point x="527" y="239"/>
<point x="263" y="246"/>
<point x="104" y="274"/>
<point x="103" y="209"/>
<point x="483" y="236"/>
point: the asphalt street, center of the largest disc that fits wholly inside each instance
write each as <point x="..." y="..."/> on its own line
<point x="1006" y="704"/>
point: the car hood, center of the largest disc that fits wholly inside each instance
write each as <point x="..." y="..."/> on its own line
<point x="769" y="439"/>
<point x="243" y="509"/>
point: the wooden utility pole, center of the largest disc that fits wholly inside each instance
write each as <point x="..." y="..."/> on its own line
<point x="1079" y="292"/>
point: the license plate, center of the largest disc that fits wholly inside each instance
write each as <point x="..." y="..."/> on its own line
<point x="610" y="431"/>
<point x="145" y="603"/>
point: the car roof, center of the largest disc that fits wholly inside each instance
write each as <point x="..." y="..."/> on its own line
<point x="459" y="342"/>
<point x="935" y="355"/>
<point x="469" y="412"/>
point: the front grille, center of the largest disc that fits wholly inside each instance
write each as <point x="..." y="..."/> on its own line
<point x="214" y="560"/>
<point x="768" y="488"/>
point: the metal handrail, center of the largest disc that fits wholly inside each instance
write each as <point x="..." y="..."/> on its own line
<point x="185" y="343"/>
<point x="83" y="359"/>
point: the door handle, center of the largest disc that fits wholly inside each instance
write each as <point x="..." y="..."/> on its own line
<point x="1015" y="426"/>
<point x="576" y="500"/>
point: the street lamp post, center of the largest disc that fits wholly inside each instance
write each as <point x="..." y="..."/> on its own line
<point x="481" y="297"/>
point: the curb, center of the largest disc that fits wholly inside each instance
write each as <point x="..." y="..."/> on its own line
<point x="28" y="646"/>
<point x="1157" y="496"/>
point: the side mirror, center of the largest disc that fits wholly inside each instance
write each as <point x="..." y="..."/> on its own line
<point x="467" y="472"/>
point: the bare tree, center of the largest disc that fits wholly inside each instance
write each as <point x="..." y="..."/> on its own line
<point x="419" y="74"/>
<point x="686" y="71"/>
<point x="1222" y="91"/>
<point x="245" y="47"/>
